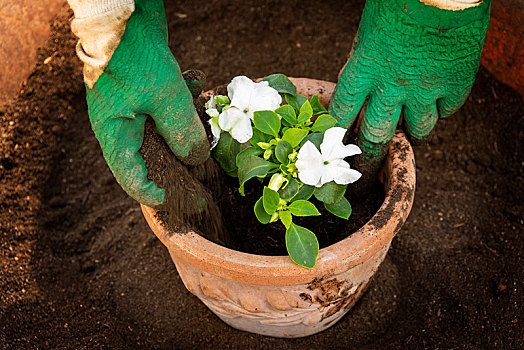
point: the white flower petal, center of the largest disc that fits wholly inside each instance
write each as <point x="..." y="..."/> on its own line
<point x="215" y="130"/>
<point x="342" y="173"/>
<point x="211" y="103"/>
<point x="347" y="176"/>
<point x="332" y="147"/>
<point x="328" y="174"/>
<point x="309" y="164"/>
<point x="239" y="91"/>
<point x="311" y="177"/>
<point x="236" y="123"/>
<point x="264" y="98"/>
<point x="229" y="118"/>
<point x="212" y="112"/>
<point x="242" y="131"/>
<point x="332" y="139"/>
<point x="341" y="151"/>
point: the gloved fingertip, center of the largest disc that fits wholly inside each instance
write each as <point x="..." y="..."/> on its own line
<point x="418" y="140"/>
<point x="198" y="154"/>
<point x="371" y="150"/>
<point x="144" y="191"/>
<point x="152" y="197"/>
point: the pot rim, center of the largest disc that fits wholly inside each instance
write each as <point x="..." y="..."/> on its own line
<point x="400" y="178"/>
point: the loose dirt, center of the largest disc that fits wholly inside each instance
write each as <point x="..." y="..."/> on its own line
<point x="81" y="269"/>
<point x="189" y="205"/>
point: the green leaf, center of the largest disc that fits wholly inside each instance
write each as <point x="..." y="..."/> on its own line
<point x="271" y="200"/>
<point x="259" y="136"/>
<point x="277" y="181"/>
<point x="302" y="246"/>
<point x="342" y="208"/>
<point x="222" y="100"/>
<point x="241" y="190"/>
<point x="330" y="192"/>
<point x="306" y="108"/>
<point x="290" y="190"/>
<point x="294" y="136"/>
<point x="316" y="105"/>
<point x="250" y="151"/>
<point x="316" y="138"/>
<point x="267" y="121"/>
<point x="306" y="112"/>
<point x="286" y="217"/>
<point x="296" y="101"/>
<point x="253" y="166"/>
<point x="305" y="192"/>
<point x="233" y="173"/>
<point x="288" y="114"/>
<point x="283" y="150"/>
<point x="303" y="208"/>
<point x="323" y="122"/>
<point x="260" y="213"/>
<point x="226" y="152"/>
<point x="281" y="83"/>
<point x="264" y="145"/>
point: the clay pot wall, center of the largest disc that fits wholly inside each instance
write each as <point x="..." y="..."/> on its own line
<point x="503" y="52"/>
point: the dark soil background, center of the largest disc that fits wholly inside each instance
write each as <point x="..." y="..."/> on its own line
<point x="81" y="269"/>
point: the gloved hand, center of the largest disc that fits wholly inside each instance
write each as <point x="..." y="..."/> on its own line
<point x="143" y="79"/>
<point x="412" y="58"/>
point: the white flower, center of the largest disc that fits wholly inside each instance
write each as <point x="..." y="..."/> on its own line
<point x="211" y="103"/>
<point x="211" y="110"/>
<point x="249" y="97"/>
<point x="319" y="167"/>
<point x="234" y="121"/>
<point x="246" y="98"/>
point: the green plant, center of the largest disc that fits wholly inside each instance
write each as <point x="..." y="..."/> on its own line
<point x="286" y="145"/>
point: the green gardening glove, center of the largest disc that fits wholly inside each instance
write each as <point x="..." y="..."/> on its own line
<point x="412" y="58"/>
<point x="143" y="79"/>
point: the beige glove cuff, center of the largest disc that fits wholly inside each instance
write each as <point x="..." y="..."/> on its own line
<point x="99" y="25"/>
<point x="453" y="5"/>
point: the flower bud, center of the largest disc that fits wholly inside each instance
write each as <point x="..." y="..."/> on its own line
<point x="276" y="182"/>
<point x="263" y="145"/>
<point x="222" y="100"/>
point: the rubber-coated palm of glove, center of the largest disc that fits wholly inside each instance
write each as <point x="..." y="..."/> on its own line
<point x="407" y="57"/>
<point x="143" y="79"/>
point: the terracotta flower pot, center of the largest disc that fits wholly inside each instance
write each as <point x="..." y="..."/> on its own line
<point x="271" y="295"/>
